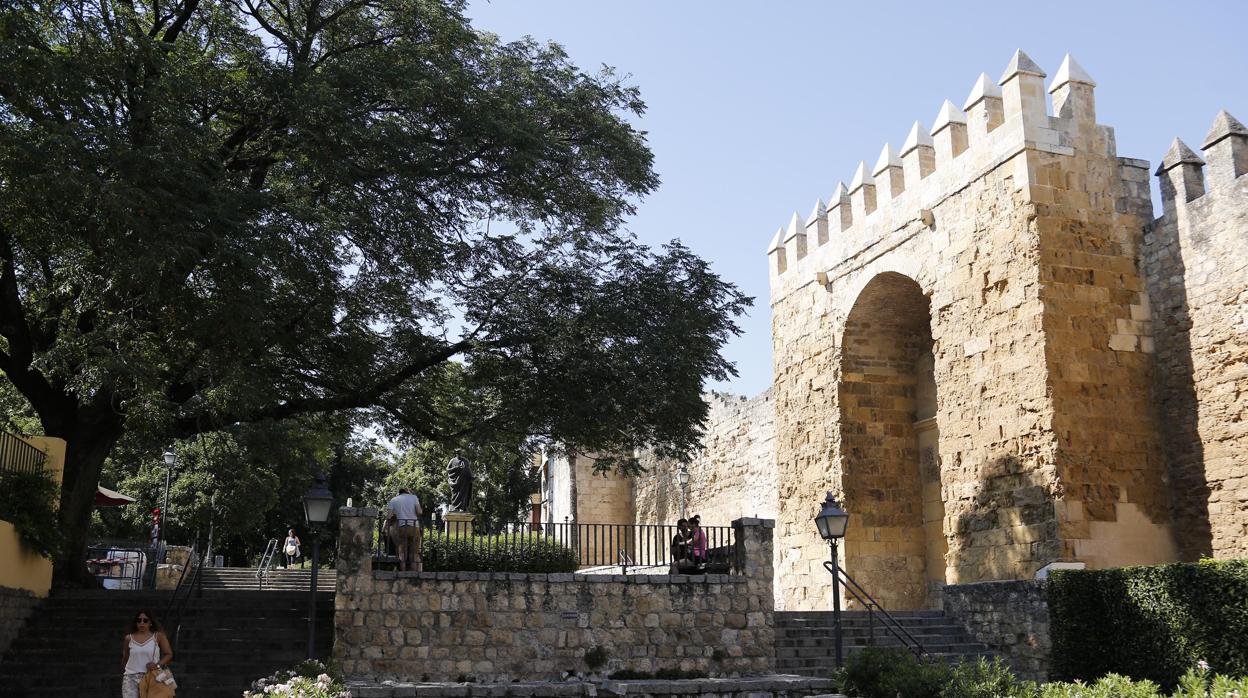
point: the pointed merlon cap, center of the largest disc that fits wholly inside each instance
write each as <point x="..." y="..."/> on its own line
<point x="861" y="177"/>
<point x="1224" y="125"/>
<point x="817" y="212"/>
<point x="1071" y="72"/>
<point x="796" y="227"/>
<point x="984" y="88"/>
<point x="1020" y="63"/>
<point x="949" y="114"/>
<point x="775" y="241"/>
<point x="886" y="160"/>
<point x="1178" y="154"/>
<point x="918" y="136"/>
<point x="840" y="193"/>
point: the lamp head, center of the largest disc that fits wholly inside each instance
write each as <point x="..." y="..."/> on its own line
<point x="831" y="519"/>
<point x="317" y="502"/>
<point x="170" y="458"/>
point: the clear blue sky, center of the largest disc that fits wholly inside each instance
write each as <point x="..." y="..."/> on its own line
<point x="755" y="110"/>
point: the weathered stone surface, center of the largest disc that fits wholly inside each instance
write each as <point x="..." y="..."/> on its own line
<point x="16" y="605"/>
<point x="1010" y="617"/>
<point x="501" y="627"/>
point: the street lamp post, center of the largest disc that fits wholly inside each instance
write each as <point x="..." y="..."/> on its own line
<point x="682" y="477"/>
<point x="170" y="459"/>
<point x="831" y="521"/>
<point x="317" y="502"/>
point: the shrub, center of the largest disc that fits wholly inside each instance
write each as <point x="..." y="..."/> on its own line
<point x="1195" y="683"/>
<point x="986" y="679"/>
<point x="595" y="657"/>
<point x="501" y="553"/>
<point x="1149" y="622"/>
<point x="877" y="672"/>
<point x="28" y="501"/>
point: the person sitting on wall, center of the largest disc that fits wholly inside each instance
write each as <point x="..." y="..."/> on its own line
<point x="680" y="546"/>
<point x="697" y="541"/>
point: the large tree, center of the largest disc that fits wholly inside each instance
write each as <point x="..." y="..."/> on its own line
<point x="220" y="212"/>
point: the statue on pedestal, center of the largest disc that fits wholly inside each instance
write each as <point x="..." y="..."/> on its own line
<point x="459" y="473"/>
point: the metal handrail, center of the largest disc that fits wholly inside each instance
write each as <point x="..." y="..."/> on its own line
<point x="890" y="623"/>
<point x="176" y="607"/>
<point x="266" y="561"/>
<point x="19" y="456"/>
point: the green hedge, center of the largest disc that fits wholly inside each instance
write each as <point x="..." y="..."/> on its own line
<point x="505" y="553"/>
<point x="1150" y="622"/>
<point x="28" y="501"/>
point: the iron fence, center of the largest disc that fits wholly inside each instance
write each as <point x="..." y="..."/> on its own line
<point x="122" y="567"/>
<point x="19" y="456"/>
<point x="631" y="548"/>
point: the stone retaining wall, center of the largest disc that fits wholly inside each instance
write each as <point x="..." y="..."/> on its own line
<point x="760" y="687"/>
<point x="16" y="605"/>
<point x="445" y="626"/>
<point x="1009" y="617"/>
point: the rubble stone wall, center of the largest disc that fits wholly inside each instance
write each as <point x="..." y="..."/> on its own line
<point x="415" y="626"/>
<point x="16" y="605"/>
<point x="1011" y="618"/>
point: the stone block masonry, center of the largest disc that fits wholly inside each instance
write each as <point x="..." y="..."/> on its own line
<point x="1196" y="263"/>
<point x="507" y="626"/>
<point x="1011" y="617"/>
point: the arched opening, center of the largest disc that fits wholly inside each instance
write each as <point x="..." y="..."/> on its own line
<point x="895" y="546"/>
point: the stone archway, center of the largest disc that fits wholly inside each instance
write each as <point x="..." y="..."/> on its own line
<point x="895" y="546"/>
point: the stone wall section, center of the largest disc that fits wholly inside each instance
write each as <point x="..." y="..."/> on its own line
<point x="16" y="605"/>
<point x="733" y="476"/>
<point x="1196" y="258"/>
<point x="506" y="626"/>
<point x="1011" y="618"/>
<point x="1022" y="230"/>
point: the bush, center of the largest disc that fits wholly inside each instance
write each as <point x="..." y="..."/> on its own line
<point x="308" y="679"/>
<point x="28" y="501"/>
<point x="986" y="679"/>
<point x="878" y="672"/>
<point x="1149" y="622"/>
<point x="501" y="553"/>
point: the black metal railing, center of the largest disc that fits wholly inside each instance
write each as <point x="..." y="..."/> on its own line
<point x="19" y="456"/>
<point x="874" y="609"/>
<point x="191" y="581"/>
<point x="630" y="547"/>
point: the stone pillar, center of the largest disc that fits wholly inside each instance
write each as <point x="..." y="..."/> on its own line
<point x="458" y="523"/>
<point x="356" y="526"/>
<point x="754" y="562"/>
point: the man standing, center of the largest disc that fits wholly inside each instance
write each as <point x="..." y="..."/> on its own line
<point x="404" y="513"/>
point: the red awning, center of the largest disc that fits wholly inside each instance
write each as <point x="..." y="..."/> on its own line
<point x="105" y="497"/>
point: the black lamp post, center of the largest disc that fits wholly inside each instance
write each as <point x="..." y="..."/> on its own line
<point x="171" y="458"/>
<point x="317" y="502"/>
<point x="682" y="477"/>
<point x="831" y="521"/>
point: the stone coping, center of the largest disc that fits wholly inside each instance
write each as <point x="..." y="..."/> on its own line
<point x="561" y="577"/>
<point x="757" y="685"/>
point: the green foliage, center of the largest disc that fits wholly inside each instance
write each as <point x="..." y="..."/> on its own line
<point x="985" y="679"/>
<point x="1174" y="616"/>
<point x="496" y="553"/>
<point x="596" y="657"/>
<point x="877" y="672"/>
<point x="1194" y="683"/>
<point x="28" y="501"/>
<point x="307" y="679"/>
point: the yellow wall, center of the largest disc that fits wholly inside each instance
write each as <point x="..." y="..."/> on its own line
<point x="20" y="569"/>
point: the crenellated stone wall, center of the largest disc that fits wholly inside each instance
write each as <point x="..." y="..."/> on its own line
<point x="506" y="626"/>
<point x="734" y="475"/>
<point x="1196" y="259"/>
<point x="993" y="263"/>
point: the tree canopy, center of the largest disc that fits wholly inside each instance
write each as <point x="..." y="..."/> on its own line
<point x="223" y="212"/>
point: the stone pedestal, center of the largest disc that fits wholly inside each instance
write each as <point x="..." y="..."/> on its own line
<point x="458" y="523"/>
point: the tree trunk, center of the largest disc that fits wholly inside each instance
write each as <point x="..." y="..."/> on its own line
<point x="86" y="447"/>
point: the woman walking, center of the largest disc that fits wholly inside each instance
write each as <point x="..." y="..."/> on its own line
<point x="144" y="647"/>
<point x="291" y="548"/>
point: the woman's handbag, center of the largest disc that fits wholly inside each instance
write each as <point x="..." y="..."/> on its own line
<point x="292" y="549"/>
<point x="157" y="683"/>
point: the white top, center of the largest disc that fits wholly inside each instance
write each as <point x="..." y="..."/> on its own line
<point x="142" y="654"/>
<point x="406" y="508"/>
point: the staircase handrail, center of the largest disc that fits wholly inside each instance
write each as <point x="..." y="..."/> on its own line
<point x="177" y="601"/>
<point x="889" y="623"/>
<point x="266" y="561"/>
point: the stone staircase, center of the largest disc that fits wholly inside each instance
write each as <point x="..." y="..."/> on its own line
<point x="71" y="645"/>
<point x="805" y="640"/>
<point x="244" y="578"/>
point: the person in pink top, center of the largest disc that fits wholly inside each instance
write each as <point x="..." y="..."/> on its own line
<point x="698" y="540"/>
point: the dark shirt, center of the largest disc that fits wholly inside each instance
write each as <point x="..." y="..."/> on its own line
<point x="680" y="547"/>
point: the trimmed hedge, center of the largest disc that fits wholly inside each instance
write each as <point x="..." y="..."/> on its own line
<point x="1150" y="623"/>
<point x="505" y="553"/>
